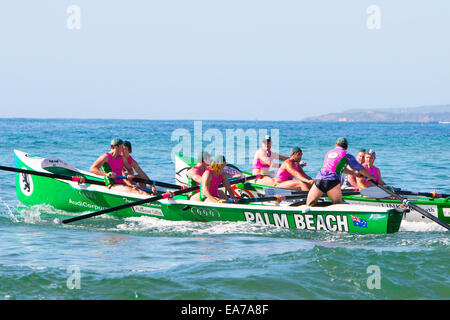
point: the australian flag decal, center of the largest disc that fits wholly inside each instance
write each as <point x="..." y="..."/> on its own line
<point x="358" y="222"/>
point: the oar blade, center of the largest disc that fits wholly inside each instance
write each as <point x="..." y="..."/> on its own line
<point x="374" y="192"/>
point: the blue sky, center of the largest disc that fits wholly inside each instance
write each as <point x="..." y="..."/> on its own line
<point x="208" y="59"/>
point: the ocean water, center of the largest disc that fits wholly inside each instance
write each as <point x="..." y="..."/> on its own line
<point x="147" y="258"/>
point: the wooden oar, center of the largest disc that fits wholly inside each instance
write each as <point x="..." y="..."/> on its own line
<point x="80" y="179"/>
<point x="147" y="200"/>
<point x="153" y="182"/>
<point x="407" y="203"/>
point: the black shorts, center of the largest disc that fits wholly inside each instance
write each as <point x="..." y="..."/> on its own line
<point x="326" y="185"/>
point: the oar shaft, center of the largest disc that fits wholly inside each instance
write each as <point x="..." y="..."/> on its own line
<point x="414" y="206"/>
<point x="424" y="194"/>
<point x="53" y="175"/>
<point x="153" y="182"/>
<point x="147" y="200"/>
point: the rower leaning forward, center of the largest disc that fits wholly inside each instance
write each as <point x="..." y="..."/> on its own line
<point x="328" y="180"/>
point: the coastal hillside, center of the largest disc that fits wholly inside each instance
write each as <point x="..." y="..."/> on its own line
<point x="417" y="114"/>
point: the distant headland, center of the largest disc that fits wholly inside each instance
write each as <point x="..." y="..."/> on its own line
<point x="439" y="113"/>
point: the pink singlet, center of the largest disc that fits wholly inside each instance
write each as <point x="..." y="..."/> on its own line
<point x="373" y="172"/>
<point x="130" y="160"/>
<point x="116" y="165"/>
<point x="214" y="183"/>
<point x="259" y="165"/>
<point x="284" y="175"/>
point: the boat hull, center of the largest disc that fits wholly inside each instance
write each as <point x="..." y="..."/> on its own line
<point x="74" y="198"/>
<point x="70" y="196"/>
<point x="334" y="218"/>
<point x="439" y="207"/>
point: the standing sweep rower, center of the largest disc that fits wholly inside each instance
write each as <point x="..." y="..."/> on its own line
<point x="328" y="180"/>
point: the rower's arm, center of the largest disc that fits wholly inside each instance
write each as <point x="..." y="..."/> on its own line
<point x="380" y="180"/>
<point x="227" y="185"/>
<point x="300" y="175"/>
<point x="95" y="168"/>
<point x="142" y="174"/>
<point x="279" y="157"/>
<point x="351" y="176"/>
<point x="138" y="170"/>
<point x="193" y="174"/>
<point x="360" y="180"/>
<point x="206" y="180"/>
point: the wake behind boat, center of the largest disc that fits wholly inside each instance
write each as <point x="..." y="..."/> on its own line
<point x="74" y="196"/>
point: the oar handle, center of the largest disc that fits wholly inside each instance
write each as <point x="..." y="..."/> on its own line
<point x="406" y="202"/>
<point x="169" y="194"/>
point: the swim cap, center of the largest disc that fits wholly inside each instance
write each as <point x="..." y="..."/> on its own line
<point x="127" y="144"/>
<point x="267" y="138"/>
<point x="295" y="150"/>
<point x="116" y="142"/>
<point x="362" y="150"/>
<point x="342" y="142"/>
<point x="371" y="151"/>
<point x="219" y="159"/>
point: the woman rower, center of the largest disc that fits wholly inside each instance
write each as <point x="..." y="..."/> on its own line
<point x="369" y="159"/>
<point x="196" y="172"/>
<point x="113" y="165"/>
<point x="135" y="166"/>
<point x="264" y="160"/>
<point x="211" y="180"/>
<point x="291" y="169"/>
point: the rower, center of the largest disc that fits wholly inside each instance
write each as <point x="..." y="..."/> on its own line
<point x="348" y="180"/>
<point x="369" y="159"/>
<point x="290" y="169"/>
<point x="195" y="173"/>
<point x="126" y="153"/>
<point x="328" y="179"/>
<point x="113" y="165"/>
<point x="211" y="179"/>
<point x="264" y="160"/>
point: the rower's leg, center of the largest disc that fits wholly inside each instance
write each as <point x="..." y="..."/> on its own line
<point x="290" y="184"/>
<point x="267" y="181"/>
<point x="313" y="195"/>
<point x="335" y="194"/>
<point x="125" y="188"/>
<point x="195" y="197"/>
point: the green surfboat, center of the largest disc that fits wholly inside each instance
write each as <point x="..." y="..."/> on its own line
<point x="77" y="198"/>
<point x="70" y="196"/>
<point x="439" y="207"/>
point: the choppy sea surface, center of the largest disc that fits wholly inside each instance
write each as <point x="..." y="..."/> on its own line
<point x="147" y="258"/>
